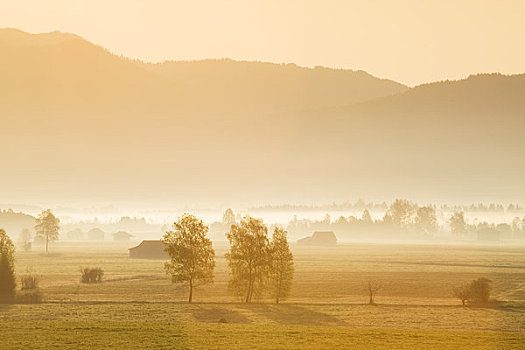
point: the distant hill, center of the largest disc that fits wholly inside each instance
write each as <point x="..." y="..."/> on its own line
<point x="81" y="120"/>
<point x="56" y="69"/>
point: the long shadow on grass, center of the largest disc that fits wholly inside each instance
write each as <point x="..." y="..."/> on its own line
<point x="204" y="313"/>
<point x="293" y="314"/>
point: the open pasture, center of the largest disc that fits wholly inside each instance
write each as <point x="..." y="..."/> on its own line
<point x="327" y="306"/>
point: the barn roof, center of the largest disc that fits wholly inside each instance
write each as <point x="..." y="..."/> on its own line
<point x="148" y="244"/>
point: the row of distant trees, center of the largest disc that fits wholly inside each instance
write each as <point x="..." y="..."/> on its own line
<point x="361" y="205"/>
<point x="257" y="263"/>
<point x="401" y="217"/>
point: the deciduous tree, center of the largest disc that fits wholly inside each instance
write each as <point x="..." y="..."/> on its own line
<point x="24" y="239"/>
<point x="402" y="212"/>
<point x="462" y="292"/>
<point x="47" y="226"/>
<point x="248" y="258"/>
<point x="373" y="287"/>
<point x="458" y="226"/>
<point x="282" y="267"/>
<point x="191" y="253"/>
<point x="426" y="221"/>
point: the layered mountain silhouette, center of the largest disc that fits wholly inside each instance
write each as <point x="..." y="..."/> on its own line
<point x="80" y="121"/>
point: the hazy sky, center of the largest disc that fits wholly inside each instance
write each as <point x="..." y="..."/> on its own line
<point x="410" y="41"/>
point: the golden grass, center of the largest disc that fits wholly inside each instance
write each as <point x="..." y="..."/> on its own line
<point x="138" y="304"/>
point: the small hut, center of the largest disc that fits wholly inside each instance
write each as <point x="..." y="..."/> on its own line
<point x="319" y="239"/>
<point x="122" y="236"/>
<point x="96" y="234"/>
<point x="76" y="234"/>
<point x="149" y="250"/>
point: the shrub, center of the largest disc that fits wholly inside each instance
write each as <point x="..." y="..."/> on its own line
<point x="29" y="282"/>
<point x="480" y="291"/>
<point x="91" y="274"/>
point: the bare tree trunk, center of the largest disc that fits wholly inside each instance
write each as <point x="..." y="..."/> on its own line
<point x="47" y="244"/>
<point x="251" y="291"/>
<point x="371" y="300"/>
<point x="278" y="292"/>
<point x="190" y="298"/>
<point x="248" y="292"/>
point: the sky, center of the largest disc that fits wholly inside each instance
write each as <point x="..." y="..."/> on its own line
<point x="410" y="41"/>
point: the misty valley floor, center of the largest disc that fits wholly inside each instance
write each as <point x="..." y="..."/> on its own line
<point x="138" y="307"/>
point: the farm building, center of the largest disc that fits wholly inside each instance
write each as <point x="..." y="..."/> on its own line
<point x="122" y="236"/>
<point x="319" y="238"/>
<point x="149" y="250"/>
<point x="96" y="234"/>
<point x="76" y="234"/>
<point x="488" y="235"/>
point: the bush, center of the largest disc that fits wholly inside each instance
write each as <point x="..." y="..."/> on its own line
<point x="480" y="291"/>
<point x="29" y="282"/>
<point x="91" y="274"/>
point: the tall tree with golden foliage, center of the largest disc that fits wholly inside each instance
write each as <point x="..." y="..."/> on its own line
<point x="249" y="258"/>
<point x="47" y="226"/>
<point x="191" y="253"/>
<point x="282" y="267"/>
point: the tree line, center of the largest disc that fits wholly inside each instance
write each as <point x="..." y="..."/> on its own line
<point x="403" y="217"/>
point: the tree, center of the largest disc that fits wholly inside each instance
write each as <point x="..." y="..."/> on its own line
<point x="7" y="268"/>
<point x="462" y="293"/>
<point x="282" y="267"/>
<point x="366" y="218"/>
<point x="192" y="258"/>
<point x="475" y="292"/>
<point x="228" y="218"/>
<point x="479" y="291"/>
<point x="426" y="221"/>
<point x="47" y="226"/>
<point x="373" y="287"/>
<point x="458" y="226"/>
<point x="401" y="212"/>
<point x="24" y="239"/>
<point x="248" y="258"/>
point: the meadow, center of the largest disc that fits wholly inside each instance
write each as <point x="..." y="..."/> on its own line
<point x="138" y="306"/>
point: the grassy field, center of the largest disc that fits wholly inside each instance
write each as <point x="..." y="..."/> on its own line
<point x="137" y="306"/>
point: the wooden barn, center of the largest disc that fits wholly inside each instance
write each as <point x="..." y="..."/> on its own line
<point x="149" y="250"/>
<point x="96" y="234"/>
<point x="319" y="239"/>
<point x="122" y="236"/>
